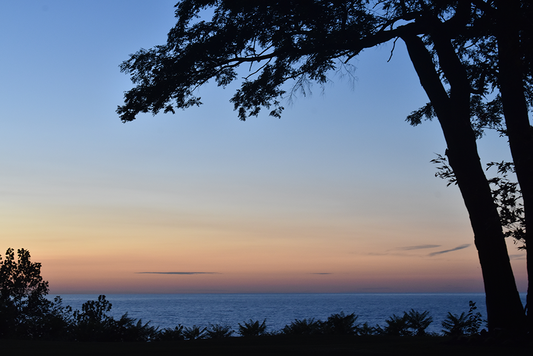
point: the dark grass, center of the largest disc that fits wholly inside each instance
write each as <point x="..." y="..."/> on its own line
<point x="277" y="345"/>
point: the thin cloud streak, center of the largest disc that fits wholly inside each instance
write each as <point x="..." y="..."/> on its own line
<point x="322" y="273"/>
<point x="517" y="257"/>
<point x="179" y="273"/>
<point x="450" y="250"/>
<point x="418" y="247"/>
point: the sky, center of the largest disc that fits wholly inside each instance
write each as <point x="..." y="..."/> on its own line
<point x="337" y="196"/>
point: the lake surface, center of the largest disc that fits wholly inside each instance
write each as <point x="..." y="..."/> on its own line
<point x="169" y="310"/>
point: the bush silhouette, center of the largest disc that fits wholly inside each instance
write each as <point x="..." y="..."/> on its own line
<point x="24" y="310"/>
<point x="303" y="327"/>
<point x="218" y="331"/>
<point x="340" y="324"/>
<point x="397" y="326"/>
<point x="463" y="325"/>
<point x="417" y="321"/>
<point x="194" y="332"/>
<point x="94" y="324"/>
<point x="170" y="334"/>
<point x="366" y="330"/>
<point x="252" y="328"/>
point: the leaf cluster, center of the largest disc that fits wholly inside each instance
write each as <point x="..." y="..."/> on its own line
<point x="93" y="323"/>
<point x="22" y="295"/>
<point x="301" y="41"/>
<point x="412" y="323"/>
<point x="505" y="192"/>
<point x="296" y="41"/>
<point x="336" y="324"/>
<point x="252" y="328"/>
<point x="465" y="324"/>
<point x="508" y="197"/>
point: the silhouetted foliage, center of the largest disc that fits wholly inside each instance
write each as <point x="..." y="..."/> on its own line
<point x="412" y="323"/>
<point x="23" y="306"/>
<point x="93" y="323"/>
<point x="340" y="324"/>
<point x="252" y="328"/>
<point x="218" y="331"/>
<point x="170" y="334"/>
<point x="367" y="330"/>
<point x="397" y="326"/>
<point x="303" y="327"/>
<point x="508" y="197"/>
<point x="54" y="321"/>
<point x="417" y="321"/>
<point x="468" y="324"/>
<point x="506" y="194"/>
<point x="194" y="332"/>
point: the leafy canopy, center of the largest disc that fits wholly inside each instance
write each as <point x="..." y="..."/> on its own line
<point x="20" y="280"/>
<point x="300" y="41"/>
<point x="24" y="310"/>
<point x="279" y="41"/>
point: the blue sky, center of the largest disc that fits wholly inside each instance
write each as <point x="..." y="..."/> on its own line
<point x="338" y="195"/>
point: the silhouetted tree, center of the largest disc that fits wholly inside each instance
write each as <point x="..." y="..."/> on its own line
<point x="24" y="309"/>
<point x="461" y="51"/>
<point x="93" y="323"/>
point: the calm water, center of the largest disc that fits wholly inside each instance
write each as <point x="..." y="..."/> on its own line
<point x="169" y="310"/>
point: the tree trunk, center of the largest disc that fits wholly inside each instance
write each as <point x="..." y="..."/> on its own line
<point x="504" y="308"/>
<point x="511" y="85"/>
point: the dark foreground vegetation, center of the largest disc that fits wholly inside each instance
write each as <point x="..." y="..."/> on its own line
<point x="31" y="324"/>
<point x="276" y="345"/>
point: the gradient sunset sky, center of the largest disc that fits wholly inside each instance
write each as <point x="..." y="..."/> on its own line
<point x="337" y="196"/>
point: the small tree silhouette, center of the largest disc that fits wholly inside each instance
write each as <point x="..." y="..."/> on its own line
<point x="464" y="324"/>
<point x="397" y="326"/>
<point x="252" y="328"/>
<point x="23" y="305"/>
<point x="93" y="323"/>
<point x="340" y="324"/>
<point x="417" y="321"/>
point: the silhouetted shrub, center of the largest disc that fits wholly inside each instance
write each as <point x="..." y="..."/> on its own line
<point x="367" y="330"/>
<point x="94" y="324"/>
<point x="24" y="310"/>
<point x="340" y="324"/>
<point x="194" y="332"/>
<point x="417" y="321"/>
<point x="468" y="324"/>
<point x="397" y="326"/>
<point x="303" y="327"/>
<point x="252" y="328"/>
<point x="130" y="329"/>
<point x="218" y="331"/>
<point x="55" y="321"/>
<point x="170" y="334"/>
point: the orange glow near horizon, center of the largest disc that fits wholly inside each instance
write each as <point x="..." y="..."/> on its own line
<point x="351" y="257"/>
<point x="337" y="196"/>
